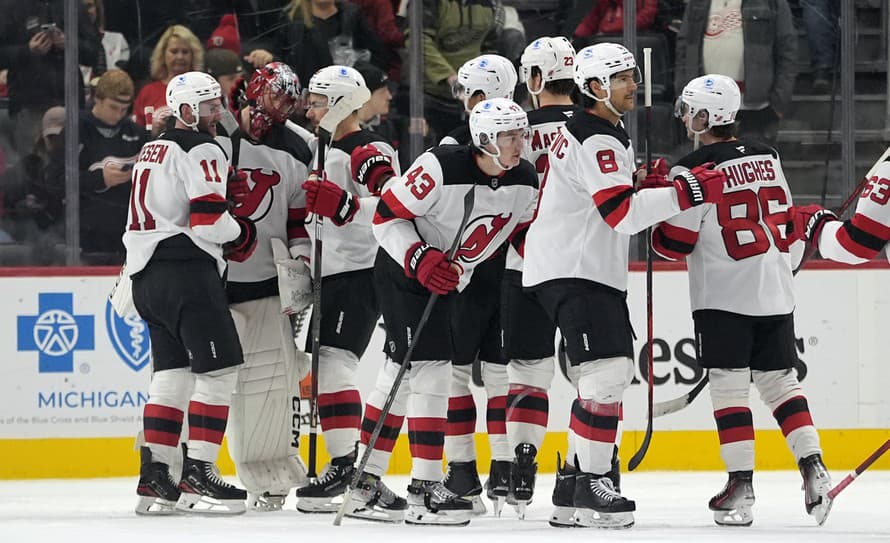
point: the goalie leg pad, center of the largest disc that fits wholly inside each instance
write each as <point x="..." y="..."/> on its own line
<point x="339" y="402"/>
<point x="459" y="444"/>
<point x="780" y="391"/>
<point x="430" y="382"/>
<point x="735" y="426"/>
<point x="596" y="414"/>
<point x="497" y="385"/>
<point x="378" y="462"/>
<point x="168" y="399"/>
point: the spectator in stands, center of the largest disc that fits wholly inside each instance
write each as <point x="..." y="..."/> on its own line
<point x="110" y="142"/>
<point x="607" y="17"/>
<point x="454" y="31"/>
<point x="32" y="47"/>
<point x="382" y="19"/>
<point x="820" y="20"/>
<point x="752" y="41"/>
<point x="374" y="114"/>
<point x="225" y="66"/>
<point x="115" y="49"/>
<point x="178" y="51"/>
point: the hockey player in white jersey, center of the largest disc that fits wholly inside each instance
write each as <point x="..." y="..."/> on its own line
<point x="417" y="221"/>
<point x="576" y="257"/>
<point x="350" y="309"/>
<point x="264" y="418"/>
<point x="742" y="296"/>
<point x="178" y="237"/>
<point x="857" y="239"/>
<point x="481" y="78"/>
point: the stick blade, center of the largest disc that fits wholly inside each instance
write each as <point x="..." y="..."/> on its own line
<point x="637" y="458"/>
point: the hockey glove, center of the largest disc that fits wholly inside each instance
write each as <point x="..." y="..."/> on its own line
<point x="371" y="168"/>
<point x="240" y="249"/>
<point x="329" y="200"/>
<point x="700" y="185"/>
<point x="237" y="189"/>
<point x="431" y="268"/>
<point x="806" y="222"/>
<point x="654" y="177"/>
<point x="294" y="279"/>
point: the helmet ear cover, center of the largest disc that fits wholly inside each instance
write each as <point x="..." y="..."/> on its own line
<point x="191" y="88"/>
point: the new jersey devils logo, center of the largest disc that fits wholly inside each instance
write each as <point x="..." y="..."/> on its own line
<point x="480" y="233"/>
<point x="262" y="182"/>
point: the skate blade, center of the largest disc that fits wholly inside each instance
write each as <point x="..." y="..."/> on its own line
<point x="740" y="516"/>
<point x="498" y="503"/>
<point x="588" y="518"/>
<point x="419" y="515"/>
<point x="265" y="503"/>
<point x="563" y="517"/>
<point x="521" y="506"/>
<point x="314" y="506"/>
<point x="377" y="514"/>
<point x="479" y="508"/>
<point x="820" y="512"/>
<point x="198" y="504"/>
<point x="151" y="505"/>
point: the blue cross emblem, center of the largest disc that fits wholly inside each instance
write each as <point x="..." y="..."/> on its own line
<point x="56" y="332"/>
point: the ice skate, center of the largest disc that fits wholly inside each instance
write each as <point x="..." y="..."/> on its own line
<point x="522" y="477"/>
<point x="816" y="484"/>
<point x="324" y="494"/>
<point x="732" y="506"/>
<point x="204" y="491"/>
<point x="598" y="505"/>
<point x="430" y="503"/>
<point x="497" y="487"/>
<point x="463" y="479"/>
<point x="615" y="472"/>
<point x="157" y="490"/>
<point x="265" y="502"/>
<point x="563" y="515"/>
<point x="373" y="500"/>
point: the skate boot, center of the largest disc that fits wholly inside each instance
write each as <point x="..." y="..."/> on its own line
<point x="732" y="506"/>
<point x="430" y="503"/>
<point x="598" y="505"/>
<point x="373" y="500"/>
<point x="816" y="484"/>
<point x="615" y="472"/>
<point x="563" y="515"/>
<point x="522" y="477"/>
<point x="157" y="490"/>
<point x="204" y="491"/>
<point x="497" y="487"/>
<point x="322" y="495"/>
<point x="463" y="479"/>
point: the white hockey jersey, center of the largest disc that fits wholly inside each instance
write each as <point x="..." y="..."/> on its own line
<point x="350" y="247"/>
<point x="179" y="188"/>
<point x="589" y="208"/>
<point x="861" y="237"/>
<point x="277" y="167"/>
<point x="737" y="250"/>
<point x="427" y="205"/>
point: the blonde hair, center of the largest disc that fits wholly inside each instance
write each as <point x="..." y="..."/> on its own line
<point x="305" y="11"/>
<point x="159" y="68"/>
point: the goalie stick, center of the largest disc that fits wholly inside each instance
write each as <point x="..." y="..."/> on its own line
<point x="469" y="200"/>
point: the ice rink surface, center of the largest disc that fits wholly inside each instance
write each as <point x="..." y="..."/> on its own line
<point x="670" y="507"/>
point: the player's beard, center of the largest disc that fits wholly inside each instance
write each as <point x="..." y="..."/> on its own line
<point x="207" y="126"/>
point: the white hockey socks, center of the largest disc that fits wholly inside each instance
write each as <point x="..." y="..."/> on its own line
<point x="780" y="391"/>
<point x="209" y="412"/>
<point x="427" y="416"/>
<point x="168" y="398"/>
<point x="595" y="415"/>
<point x="497" y="385"/>
<point x="461" y="428"/>
<point x="528" y="405"/>
<point x="735" y="426"/>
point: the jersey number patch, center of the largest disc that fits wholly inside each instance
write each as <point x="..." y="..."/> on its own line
<point x="211" y="173"/>
<point x="877" y="189"/>
<point x="742" y="216"/>
<point x="137" y="203"/>
<point x="422" y="187"/>
<point x="606" y="160"/>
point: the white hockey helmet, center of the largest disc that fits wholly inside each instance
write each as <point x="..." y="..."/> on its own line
<point x="341" y="84"/>
<point x="191" y="88"/>
<point x="492" y="75"/>
<point x="555" y="57"/>
<point x="491" y="117"/>
<point x="601" y="61"/>
<point x="716" y="94"/>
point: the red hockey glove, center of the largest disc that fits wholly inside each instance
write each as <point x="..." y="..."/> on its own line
<point x="371" y="168"/>
<point x="237" y="188"/>
<point x="655" y="177"/>
<point x="700" y="185"/>
<point x="240" y="249"/>
<point x="431" y="268"/>
<point x="806" y="222"/>
<point x="329" y="200"/>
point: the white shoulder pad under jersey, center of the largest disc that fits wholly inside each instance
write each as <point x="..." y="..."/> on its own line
<point x="351" y="247"/>
<point x="179" y="187"/>
<point x="276" y="167"/>
<point x="589" y="207"/>
<point x="737" y="250"/>
<point x="861" y="237"/>
<point x="426" y="205"/>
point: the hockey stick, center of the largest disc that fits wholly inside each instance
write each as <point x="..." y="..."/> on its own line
<point x="671" y="406"/>
<point x="650" y="378"/>
<point x="845" y="482"/>
<point x="469" y="199"/>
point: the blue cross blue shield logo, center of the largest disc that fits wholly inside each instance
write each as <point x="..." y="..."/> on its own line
<point x="129" y="337"/>
<point x="56" y="332"/>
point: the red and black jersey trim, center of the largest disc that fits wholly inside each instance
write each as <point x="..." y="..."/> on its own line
<point x="673" y="242"/>
<point x="613" y="203"/>
<point x="206" y="210"/>
<point x="862" y="236"/>
<point x="734" y="424"/>
<point x="389" y="207"/>
<point x="793" y="414"/>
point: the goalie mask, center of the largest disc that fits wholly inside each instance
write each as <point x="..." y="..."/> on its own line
<point x="554" y="57"/>
<point x="492" y="75"/>
<point x="601" y="62"/>
<point x="489" y="121"/>
<point x="716" y="95"/>
<point x="191" y="89"/>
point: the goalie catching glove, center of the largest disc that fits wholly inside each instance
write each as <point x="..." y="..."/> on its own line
<point x="371" y="168"/>
<point x="329" y="200"/>
<point x="700" y="185"/>
<point x="294" y="280"/>
<point x="805" y="222"/>
<point x="431" y="268"/>
<point x="240" y="248"/>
